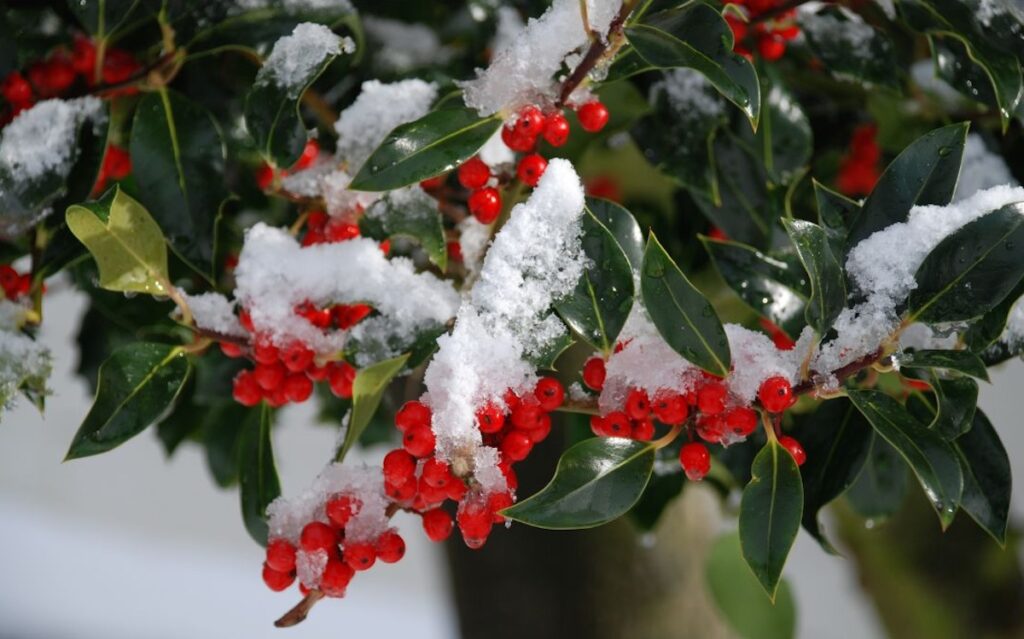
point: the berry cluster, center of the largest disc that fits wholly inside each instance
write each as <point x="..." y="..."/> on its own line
<point x="768" y="35"/>
<point x="14" y="284"/>
<point x="708" y="410"/>
<point x="859" y="170"/>
<point x="325" y="557"/>
<point x="266" y="175"/>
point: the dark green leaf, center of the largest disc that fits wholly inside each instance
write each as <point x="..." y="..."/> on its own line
<point x="546" y="359"/>
<point x="783" y="139"/>
<point x="222" y="429"/>
<point x="835" y="212"/>
<point x="103" y="17"/>
<point x="958" y="398"/>
<point x="434" y="144"/>
<point x="960" y="361"/>
<point x="774" y="286"/>
<point x="413" y="215"/>
<point x="696" y="36"/>
<point x="987" y="479"/>
<point x="770" y="513"/>
<point x="597" y="308"/>
<point x="178" y="165"/>
<point x="741" y="599"/>
<point x="684" y="317"/>
<point x="367" y="390"/>
<point x="924" y="173"/>
<point x="257" y="474"/>
<point x="881" y="486"/>
<point x="623" y="227"/>
<point x="850" y="48"/>
<point x="971" y="271"/>
<point x="837" y="439"/>
<point x="256" y="30"/>
<point x="828" y="285"/>
<point x="933" y="460"/>
<point x="597" y="480"/>
<point x="137" y="386"/>
<point x="991" y="325"/>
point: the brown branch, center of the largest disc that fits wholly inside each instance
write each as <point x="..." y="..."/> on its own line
<point x="597" y="50"/>
<point x="301" y="610"/>
<point x="841" y="374"/>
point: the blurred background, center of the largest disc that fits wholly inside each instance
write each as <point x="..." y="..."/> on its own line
<point x="132" y="545"/>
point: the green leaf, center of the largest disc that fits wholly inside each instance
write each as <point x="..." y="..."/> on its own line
<point x="103" y="17"/>
<point x="413" y="215"/>
<point x="987" y="478"/>
<point x="971" y="271"/>
<point x="741" y="599"/>
<point x="128" y="246"/>
<point x="597" y="480"/>
<point x="254" y="31"/>
<point x="257" y="474"/>
<point x="774" y="286"/>
<point x="222" y="429"/>
<point x="837" y="439"/>
<point x="684" y="317"/>
<point x="696" y="36"/>
<point x="960" y="361"/>
<point x="835" y="212"/>
<point x="272" y="114"/>
<point x="991" y="326"/>
<point x="367" y="390"/>
<point x="549" y="354"/>
<point x="178" y="165"/>
<point x="783" y="141"/>
<point x="924" y="173"/>
<point x="828" y="285"/>
<point x="957" y="400"/>
<point x="881" y="487"/>
<point x="137" y="386"/>
<point x="434" y="144"/>
<point x="770" y="513"/>
<point x="623" y="227"/>
<point x="933" y="460"/>
<point x="850" y="48"/>
<point x="597" y="307"/>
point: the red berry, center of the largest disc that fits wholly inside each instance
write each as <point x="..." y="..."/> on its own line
<point x="317" y="535"/>
<point x="695" y="460"/>
<point x="281" y="555"/>
<point x="771" y="47"/>
<point x="245" y="390"/>
<point x="776" y="394"/>
<point x="412" y="414"/>
<point x="738" y="26"/>
<point x="390" y="547"/>
<point x="556" y="129"/>
<point x="711" y="428"/>
<point x="454" y="251"/>
<point x="516" y="142"/>
<point x="475" y="522"/>
<point x="336" y="577"/>
<point x="400" y="492"/>
<point x="490" y="418"/>
<point x="456" y="489"/>
<point x="264" y="176"/>
<point x="711" y="398"/>
<point x="670" y="408"/>
<point x="318" y="373"/>
<point x="643" y="430"/>
<point x="297" y="357"/>
<point x="118" y="66"/>
<point x="298" y="387"/>
<point x="16" y="89"/>
<point x="525" y="416"/>
<point x="794" y="448"/>
<point x="516" y="445"/>
<point x="277" y="580"/>
<point x="498" y="502"/>
<point x="549" y="393"/>
<point x="399" y="467"/>
<point x="485" y="204"/>
<point x="437" y="524"/>
<point x="594" y="373"/>
<point x="60" y="74"/>
<point x="617" y="424"/>
<point x="117" y="162"/>
<point x="541" y="431"/>
<point x="419" y="441"/>
<point x="593" y="116"/>
<point x="245" y="320"/>
<point x="531" y="168"/>
<point x="741" y="420"/>
<point x="638" y="405"/>
<point x="429" y="496"/>
<point x="269" y="376"/>
<point x="340" y="509"/>
<point x="473" y="174"/>
<point x="530" y="122"/>
<point x="436" y="473"/>
<point x="340" y="378"/>
<point x="264" y="352"/>
<point x="309" y="155"/>
<point x="360" y="556"/>
<point x="338" y="231"/>
<point x="432" y="184"/>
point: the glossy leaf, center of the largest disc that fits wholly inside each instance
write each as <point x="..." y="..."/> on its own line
<point x="436" y="143"/>
<point x="957" y="400"/>
<point x="740" y="598"/>
<point x="623" y="227"/>
<point x="684" y="317"/>
<point x="849" y="48"/>
<point x="835" y="212"/>
<point x="982" y="333"/>
<point x="783" y="139"/>
<point x="597" y="480"/>
<point x="837" y="439"/>
<point x="549" y="354"/>
<point x="128" y="246"/>
<point x="924" y="173"/>
<point x="221" y="433"/>
<point x="414" y="216"/>
<point x="367" y="390"/>
<point x="881" y="487"/>
<point x="960" y="361"/>
<point x="933" y="460"/>
<point x="597" y="307"/>
<point x="257" y="474"/>
<point x="178" y="164"/>
<point x="770" y="513"/>
<point x="987" y="477"/>
<point x="103" y="17"/>
<point x="696" y="36"/>
<point x="971" y="271"/>
<point x="137" y="386"/>
<point x="774" y="286"/>
<point x="254" y="31"/>
<point x="828" y="284"/>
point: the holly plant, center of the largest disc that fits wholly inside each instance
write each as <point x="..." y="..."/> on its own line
<point x="768" y="245"/>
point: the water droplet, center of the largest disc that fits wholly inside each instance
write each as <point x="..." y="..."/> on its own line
<point x="944" y="151"/>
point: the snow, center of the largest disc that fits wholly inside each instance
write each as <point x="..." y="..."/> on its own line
<point x="524" y="71"/>
<point x="295" y="57"/>
<point x="214" y="312"/>
<point x="23" y="361"/>
<point x="495" y="153"/>
<point x="852" y="34"/>
<point x="688" y="92"/>
<point x="508" y="26"/>
<point x="275" y="274"/>
<point x="473" y="240"/>
<point x="341" y="6"/>
<point x="505" y="319"/>
<point x="1013" y="336"/>
<point x="405" y="46"/>
<point x="981" y="169"/>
